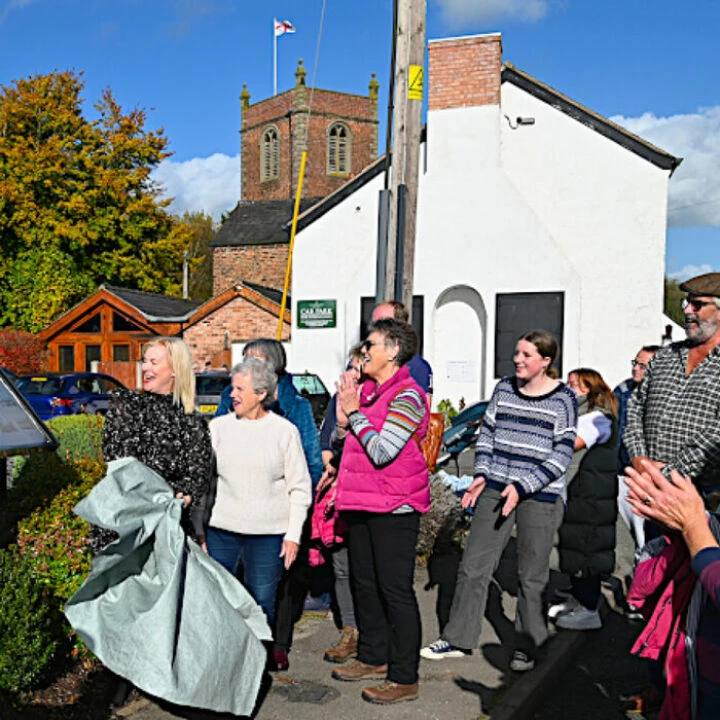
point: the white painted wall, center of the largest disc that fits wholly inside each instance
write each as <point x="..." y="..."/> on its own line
<point x="476" y="230"/>
<point x="549" y="207"/>
<point x="334" y="259"/>
<point x="606" y="208"/>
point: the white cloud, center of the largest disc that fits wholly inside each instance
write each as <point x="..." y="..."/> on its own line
<point x="691" y="271"/>
<point x="210" y="185"/>
<point x="7" y="7"/>
<point x="457" y="13"/>
<point x="695" y="186"/>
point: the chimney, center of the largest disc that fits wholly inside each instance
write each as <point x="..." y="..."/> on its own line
<point x="464" y="72"/>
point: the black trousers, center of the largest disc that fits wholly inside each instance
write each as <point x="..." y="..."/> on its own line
<point x="382" y="567"/>
<point x="587" y="591"/>
<point x="294" y="587"/>
<point x="291" y="592"/>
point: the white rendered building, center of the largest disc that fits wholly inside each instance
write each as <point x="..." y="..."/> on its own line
<point x="533" y="211"/>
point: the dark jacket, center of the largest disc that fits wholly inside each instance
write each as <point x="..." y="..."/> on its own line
<point x="587" y="535"/>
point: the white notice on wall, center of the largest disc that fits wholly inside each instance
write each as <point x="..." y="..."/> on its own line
<point x="464" y="371"/>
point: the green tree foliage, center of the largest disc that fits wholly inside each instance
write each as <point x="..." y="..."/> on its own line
<point x="77" y="204"/>
<point x="673" y="296"/>
<point x="202" y="230"/>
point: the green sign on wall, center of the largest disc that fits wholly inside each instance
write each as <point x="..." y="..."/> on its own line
<point x="316" y="314"/>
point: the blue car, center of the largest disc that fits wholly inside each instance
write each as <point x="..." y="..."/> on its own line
<point x="54" y="394"/>
<point x="463" y="431"/>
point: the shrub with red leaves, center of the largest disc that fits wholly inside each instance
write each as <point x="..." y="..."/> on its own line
<point x="22" y="352"/>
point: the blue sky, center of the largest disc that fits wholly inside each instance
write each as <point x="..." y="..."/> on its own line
<point x="649" y="65"/>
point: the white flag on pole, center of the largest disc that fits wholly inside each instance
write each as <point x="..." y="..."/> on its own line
<point x="283" y="26"/>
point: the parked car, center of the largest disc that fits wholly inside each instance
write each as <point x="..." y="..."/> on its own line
<point x="208" y="388"/>
<point x="313" y="388"/>
<point x="463" y="431"/>
<point x="54" y="394"/>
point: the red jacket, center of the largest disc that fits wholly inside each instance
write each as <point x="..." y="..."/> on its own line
<point x="327" y="528"/>
<point x="661" y="590"/>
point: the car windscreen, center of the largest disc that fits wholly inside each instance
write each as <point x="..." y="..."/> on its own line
<point x="211" y="384"/>
<point x="40" y="385"/>
<point x="311" y="384"/>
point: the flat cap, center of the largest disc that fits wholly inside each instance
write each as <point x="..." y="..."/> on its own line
<point x="708" y="284"/>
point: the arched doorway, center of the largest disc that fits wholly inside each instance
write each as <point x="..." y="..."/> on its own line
<point x="459" y="336"/>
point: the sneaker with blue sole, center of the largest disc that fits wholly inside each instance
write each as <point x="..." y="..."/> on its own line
<point x="441" y="649"/>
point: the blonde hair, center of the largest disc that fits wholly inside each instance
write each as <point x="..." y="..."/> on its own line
<point x="181" y="364"/>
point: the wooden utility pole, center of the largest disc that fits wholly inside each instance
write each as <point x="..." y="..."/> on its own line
<point x="409" y="82"/>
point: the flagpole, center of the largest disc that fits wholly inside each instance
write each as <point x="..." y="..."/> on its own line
<point x="274" y="57"/>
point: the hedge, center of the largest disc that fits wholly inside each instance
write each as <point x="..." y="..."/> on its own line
<point x="40" y="476"/>
<point x="55" y="539"/>
<point x="51" y="558"/>
<point x="29" y="625"/>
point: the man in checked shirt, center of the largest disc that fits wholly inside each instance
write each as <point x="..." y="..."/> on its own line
<point x="673" y="418"/>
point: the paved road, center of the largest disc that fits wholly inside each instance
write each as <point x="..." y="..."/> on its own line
<point x="469" y="688"/>
<point x="602" y="668"/>
<point x="600" y="673"/>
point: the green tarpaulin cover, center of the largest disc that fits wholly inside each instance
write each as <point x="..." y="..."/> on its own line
<point x="157" y="610"/>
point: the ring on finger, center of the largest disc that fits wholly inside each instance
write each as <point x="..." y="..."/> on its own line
<point x="648" y="500"/>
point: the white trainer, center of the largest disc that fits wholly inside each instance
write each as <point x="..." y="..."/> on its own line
<point x="561" y="608"/>
<point x="441" y="649"/>
<point x="579" y="619"/>
<point x="521" y="661"/>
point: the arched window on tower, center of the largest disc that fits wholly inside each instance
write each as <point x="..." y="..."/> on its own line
<point x="269" y="155"/>
<point x="339" y="146"/>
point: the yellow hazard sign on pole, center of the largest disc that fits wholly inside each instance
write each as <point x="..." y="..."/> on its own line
<point x="415" y="82"/>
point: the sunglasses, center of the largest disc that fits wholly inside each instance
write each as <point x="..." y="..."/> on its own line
<point x="637" y="363"/>
<point x="368" y="344"/>
<point x="694" y="303"/>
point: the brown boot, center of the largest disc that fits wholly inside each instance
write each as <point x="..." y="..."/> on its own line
<point x="357" y="670"/>
<point x="345" y="648"/>
<point x="389" y="692"/>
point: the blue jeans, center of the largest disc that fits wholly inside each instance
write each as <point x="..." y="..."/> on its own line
<point x="259" y="556"/>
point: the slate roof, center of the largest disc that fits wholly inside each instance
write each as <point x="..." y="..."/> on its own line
<point x="271" y="294"/>
<point x="261" y="222"/>
<point x="154" y="306"/>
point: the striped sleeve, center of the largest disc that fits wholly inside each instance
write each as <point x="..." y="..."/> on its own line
<point x="485" y="442"/>
<point x="563" y="442"/>
<point x="405" y="413"/>
<point x="706" y="565"/>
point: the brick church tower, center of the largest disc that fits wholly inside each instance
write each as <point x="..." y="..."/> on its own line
<point x="342" y="140"/>
<point x="340" y="133"/>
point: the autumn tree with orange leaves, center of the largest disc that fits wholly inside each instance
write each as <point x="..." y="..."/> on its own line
<point x="78" y="206"/>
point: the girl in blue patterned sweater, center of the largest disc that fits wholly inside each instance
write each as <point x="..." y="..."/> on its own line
<point x="522" y="454"/>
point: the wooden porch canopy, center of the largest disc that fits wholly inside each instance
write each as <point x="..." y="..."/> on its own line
<point x="111" y="325"/>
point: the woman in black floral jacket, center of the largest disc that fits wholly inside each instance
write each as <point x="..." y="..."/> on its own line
<point x="161" y="428"/>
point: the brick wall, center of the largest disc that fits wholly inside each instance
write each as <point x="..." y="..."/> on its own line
<point x="240" y="318"/>
<point x="288" y="112"/>
<point x="464" y="72"/>
<point x="261" y="264"/>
